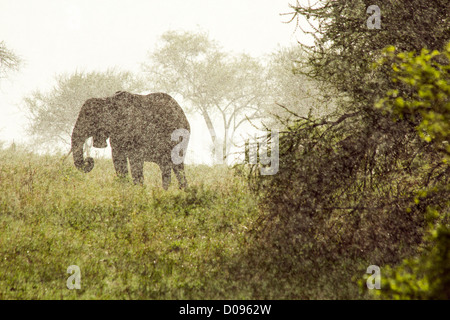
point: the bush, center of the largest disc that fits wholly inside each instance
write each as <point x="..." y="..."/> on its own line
<point x="424" y="277"/>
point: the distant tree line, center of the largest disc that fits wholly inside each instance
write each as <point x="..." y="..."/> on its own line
<point x="226" y="89"/>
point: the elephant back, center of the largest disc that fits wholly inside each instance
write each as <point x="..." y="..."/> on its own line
<point x="165" y="113"/>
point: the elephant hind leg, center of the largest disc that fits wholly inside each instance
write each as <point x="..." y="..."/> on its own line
<point x="166" y="171"/>
<point x="181" y="176"/>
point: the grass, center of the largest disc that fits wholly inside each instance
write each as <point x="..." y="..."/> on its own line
<point x="130" y="242"/>
<point x="141" y="242"/>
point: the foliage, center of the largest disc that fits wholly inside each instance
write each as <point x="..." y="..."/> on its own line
<point x="9" y="61"/>
<point x="53" y="114"/>
<point x="345" y="48"/>
<point x="349" y="182"/>
<point x="426" y="99"/>
<point x="427" y="275"/>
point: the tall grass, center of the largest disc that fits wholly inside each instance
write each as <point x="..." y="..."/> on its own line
<point x="130" y="242"/>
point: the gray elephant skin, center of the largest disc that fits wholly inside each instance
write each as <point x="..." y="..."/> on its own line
<point x="139" y="127"/>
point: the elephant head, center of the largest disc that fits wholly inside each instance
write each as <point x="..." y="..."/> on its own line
<point x="92" y="122"/>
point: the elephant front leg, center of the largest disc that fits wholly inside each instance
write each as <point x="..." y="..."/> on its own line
<point x="137" y="169"/>
<point x="166" y="172"/>
<point x="120" y="162"/>
<point x="181" y="176"/>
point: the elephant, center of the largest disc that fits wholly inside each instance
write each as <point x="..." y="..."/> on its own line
<point x="139" y="127"/>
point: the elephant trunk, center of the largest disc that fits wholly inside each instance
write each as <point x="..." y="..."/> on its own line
<point x="78" y="140"/>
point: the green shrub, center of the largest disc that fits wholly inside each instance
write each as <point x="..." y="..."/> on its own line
<point x="427" y="274"/>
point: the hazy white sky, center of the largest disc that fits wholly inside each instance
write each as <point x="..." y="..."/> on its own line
<point x="62" y="36"/>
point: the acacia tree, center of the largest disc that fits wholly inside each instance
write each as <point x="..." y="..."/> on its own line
<point x="216" y="84"/>
<point x="9" y="61"/>
<point x="293" y="94"/>
<point x="53" y="114"/>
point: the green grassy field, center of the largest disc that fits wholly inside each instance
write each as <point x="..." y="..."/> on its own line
<point x="130" y="242"/>
<point x="140" y="242"/>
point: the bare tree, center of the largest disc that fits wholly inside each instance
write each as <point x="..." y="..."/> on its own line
<point x="9" y="61"/>
<point x="292" y="93"/>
